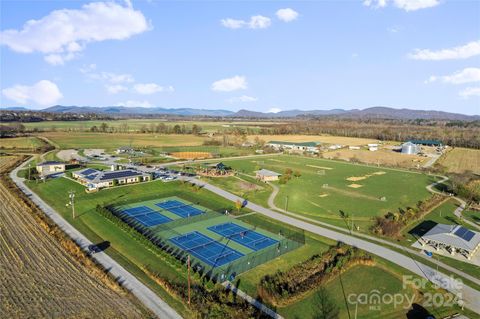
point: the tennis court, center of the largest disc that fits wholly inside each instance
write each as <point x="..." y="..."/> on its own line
<point x="244" y="236"/>
<point x="146" y="216"/>
<point x="206" y="249"/>
<point x="179" y="208"/>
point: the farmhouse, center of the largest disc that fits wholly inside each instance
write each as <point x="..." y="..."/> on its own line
<point x="310" y="147"/>
<point x="50" y="167"/>
<point x="267" y="176"/>
<point x="453" y="238"/>
<point x="95" y="179"/>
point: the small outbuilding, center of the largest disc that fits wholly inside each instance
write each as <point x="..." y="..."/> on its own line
<point x="452" y="238"/>
<point x="50" y="167"/>
<point x="266" y="175"/>
<point x="124" y="150"/>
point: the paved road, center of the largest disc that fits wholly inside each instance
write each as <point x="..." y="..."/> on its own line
<point x="409" y="251"/>
<point x="470" y="296"/>
<point x="142" y="292"/>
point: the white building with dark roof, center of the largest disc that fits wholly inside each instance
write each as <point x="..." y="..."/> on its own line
<point x="95" y="179"/>
<point x="50" y="167"/>
<point x="267" y="175"/>
<point x="452" y="238"/>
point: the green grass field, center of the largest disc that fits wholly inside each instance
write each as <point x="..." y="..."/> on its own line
<point x="137" y="124"/>
<point x="308" y="197"/>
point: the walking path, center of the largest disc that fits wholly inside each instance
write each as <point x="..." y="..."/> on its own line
<point x="127" y="280"/>
<point x="254" y="302"/>
<point x="469" y="296"/>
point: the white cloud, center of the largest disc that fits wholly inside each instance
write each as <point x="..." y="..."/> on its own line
<point x="231" y="84"/>
<point x="407" y="5"/>
<point x="151" y="88"/>
<point x="470" y="91"/>
<point x="287" y="14"/>
<point x="461" y="52"/>
<point x="42" y="93"/>
<point x="467" y="75"/>
<point x="62" y="34"/>
<point x="116" y="88"/>
<point x="256" y="22"/>
<point x="274" y="110"/>
<point x="133" y="103"/>
<point x="243" y="99"/>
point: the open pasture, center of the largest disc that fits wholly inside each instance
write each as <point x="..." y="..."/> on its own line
<point x="26" y="143"/>
<point x="111" y="141"/>
<point x="381" y="157"/>
<point x="323" y="193"/>
<point x="460" y="160"/>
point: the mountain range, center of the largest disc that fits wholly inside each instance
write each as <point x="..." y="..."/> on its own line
<point x="379" y="112"/>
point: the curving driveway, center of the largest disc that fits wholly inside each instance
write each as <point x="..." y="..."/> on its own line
<point x="469" y="296"/>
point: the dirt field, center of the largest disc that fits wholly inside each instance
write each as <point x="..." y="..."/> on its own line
<point x="39" y="279"/>
<point x="191" y="155"/>
<point x="381" y="157"/>
<point x="27" y="143"/>
<point x="314" y="138"/>
<point x="459" y="160"/>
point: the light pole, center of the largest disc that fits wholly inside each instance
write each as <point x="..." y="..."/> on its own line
<point x="286" y="203"/>
<point x="71" y="195"/>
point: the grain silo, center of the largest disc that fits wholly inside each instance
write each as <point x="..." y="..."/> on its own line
<point x="410" y="148"/>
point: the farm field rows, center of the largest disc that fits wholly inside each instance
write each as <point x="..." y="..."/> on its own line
<point x="28" y="143"/>
<point x="327" y="187"/>
<point x="39" y="279"/>
<point x="460" y="160"/>
<point x="381" y="157"/>
<point x="111" y="141"/>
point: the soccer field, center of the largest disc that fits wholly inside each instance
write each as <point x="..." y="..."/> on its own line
<point x="327" y="187"/>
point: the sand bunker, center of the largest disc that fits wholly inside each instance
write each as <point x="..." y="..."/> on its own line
<point x="323" y="195"/>
<point x="379" y="173"/>
<point x="355" y="185"/>
<point x="320" y="167"/>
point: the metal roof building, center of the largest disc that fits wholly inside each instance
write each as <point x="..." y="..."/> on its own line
<point x="267" y="175"/>
<point x="98" y="179"/>
<point x="453" y="238"/>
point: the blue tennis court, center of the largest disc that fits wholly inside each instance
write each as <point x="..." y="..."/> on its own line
<point x="206" y="249"/>
<point x="178" y="208"/>
<point x="243" y="236"/>
<point x="146" y="216"/>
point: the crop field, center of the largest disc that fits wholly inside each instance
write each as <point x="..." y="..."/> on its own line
<point x="381" y="157"/>
<point x="39" y="279"/>
<point x="28" y="143"/>
<point x="110" y="141"/>
<point x="327" y="187"/>
<point x="460" y="160"/>
<point x="328" y="139"/>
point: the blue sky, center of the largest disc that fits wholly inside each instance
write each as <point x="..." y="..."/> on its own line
<point x="420" y="54"/>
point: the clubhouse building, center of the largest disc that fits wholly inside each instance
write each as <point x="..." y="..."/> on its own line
<point x="452" y="238"/>
<point x="95" y="179"/>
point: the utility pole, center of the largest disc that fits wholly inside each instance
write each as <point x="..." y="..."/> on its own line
<point x="71" y="195"/>
<point x="188" y="263"/>
<point x="29" y="170"/>
<point x="286" y="203"/>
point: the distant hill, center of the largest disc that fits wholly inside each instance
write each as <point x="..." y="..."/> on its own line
<point x="135" y="110"/>
<point x="379" y="112"/>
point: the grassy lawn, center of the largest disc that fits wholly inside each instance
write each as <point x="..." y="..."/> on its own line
<point x="26" y="143"/>
<point x="354" y="189"/>
<point x="472" y="215"/>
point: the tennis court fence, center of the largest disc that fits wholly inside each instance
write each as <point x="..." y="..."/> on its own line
<point x="288" y="239"/>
